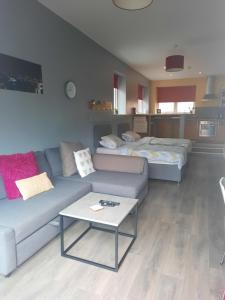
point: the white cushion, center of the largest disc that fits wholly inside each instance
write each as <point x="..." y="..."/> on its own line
<point x="111" y="141"/>
<point x="130" y="136"/>
<point x="34" y="185"/>
<point x="84" y="162"/>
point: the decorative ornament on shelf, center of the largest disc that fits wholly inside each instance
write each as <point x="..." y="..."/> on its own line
<point x="132" y="4"/>
<point x="175" y="62"/>
<point x="99" y="105"/>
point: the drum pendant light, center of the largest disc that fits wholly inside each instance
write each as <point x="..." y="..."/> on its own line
<point x="132" y="4"/>
<point x="174" y="63"/>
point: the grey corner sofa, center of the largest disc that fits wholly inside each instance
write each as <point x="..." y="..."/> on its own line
<point x="26" y="226"/>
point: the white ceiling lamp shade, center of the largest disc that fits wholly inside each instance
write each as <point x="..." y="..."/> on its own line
<point x="132" y="4"/>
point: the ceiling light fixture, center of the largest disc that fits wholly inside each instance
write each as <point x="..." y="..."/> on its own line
<point x="132" y="4"/>
<point x="175" y="62"/>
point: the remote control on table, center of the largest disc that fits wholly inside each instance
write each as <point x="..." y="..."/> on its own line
<point x="108" y="203"/>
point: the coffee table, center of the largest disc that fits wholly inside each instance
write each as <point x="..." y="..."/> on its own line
<point x="110" y="217"/>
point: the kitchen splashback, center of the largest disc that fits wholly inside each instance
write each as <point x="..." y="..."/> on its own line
<point x="210" y="112"/>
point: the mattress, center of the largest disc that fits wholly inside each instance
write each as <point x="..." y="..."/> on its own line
<point x="158" y="154"/>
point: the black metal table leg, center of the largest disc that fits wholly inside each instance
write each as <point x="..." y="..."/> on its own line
<point x="62" y="234"/>
<point x="135" y="221"/>
<point x="114" y="230"/>
<point x="116" y="249"/>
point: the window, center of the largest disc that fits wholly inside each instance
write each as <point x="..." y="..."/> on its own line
<point x="185" y="107"/>
<point x="176" y="99"/>
<point x="119" y="94"/>
<point x="115" y="94"/>
<point x="143" y="100"/>
<point x="166" y="107"/>
<point x="176" y="107"/>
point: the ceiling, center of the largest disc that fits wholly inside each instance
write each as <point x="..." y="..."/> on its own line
<point x="143" y="38"/>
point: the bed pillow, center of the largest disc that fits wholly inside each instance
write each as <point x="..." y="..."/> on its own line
<point x="84" y="162"/>
<point x="111" y="141"/>
<point x="68" y="163"/>
<point x="107" y="145"/>
<point x="130" y="136"/>
<point x="34" y="185"/>
<point x="145" y="140"/>
<point x="15" y="167"/>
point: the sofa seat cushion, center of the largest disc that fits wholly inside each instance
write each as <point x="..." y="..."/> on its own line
<point x="116" y="183"/>
<point x="25" y="217"/>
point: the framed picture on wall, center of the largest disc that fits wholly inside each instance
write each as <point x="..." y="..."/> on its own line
<point x="20" y="75"/>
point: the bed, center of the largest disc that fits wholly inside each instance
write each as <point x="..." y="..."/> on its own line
<point x="165" y="162"/>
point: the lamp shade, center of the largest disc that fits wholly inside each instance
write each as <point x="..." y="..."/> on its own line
<point x="132" y="4"/>
<point x="174" y="63"/>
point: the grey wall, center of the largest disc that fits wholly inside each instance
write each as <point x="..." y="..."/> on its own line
<point x="27" y="121"/>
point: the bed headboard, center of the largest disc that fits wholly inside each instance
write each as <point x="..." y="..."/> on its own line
<point x="122" y="127"/>
<point x="99" y="131"/>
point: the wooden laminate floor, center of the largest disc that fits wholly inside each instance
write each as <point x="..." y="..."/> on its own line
<point x="176" y="256"/>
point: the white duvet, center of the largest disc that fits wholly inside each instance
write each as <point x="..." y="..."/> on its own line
<point x="171" y="142"/>
<point x="154" y="153"/>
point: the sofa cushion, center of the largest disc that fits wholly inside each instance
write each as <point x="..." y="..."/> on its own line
<point x="84" y="162"/>
<point x="43" y="164"/>
<point x="2" y="189"/>
<point x="68" y="162"/>
<point x="54" y="159"/>
<point x="116" y="183"/>
<point x="118" y="163"/>
<point x="35" y="185"/>
<point x="25" y="217"/>
<point x="14" y="167"/>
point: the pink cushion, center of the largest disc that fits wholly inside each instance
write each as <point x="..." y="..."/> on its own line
<point x="15" y="167"/>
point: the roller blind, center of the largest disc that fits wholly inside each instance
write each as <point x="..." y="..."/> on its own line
<point x="176" y="94"/>
<point x="115" y="81"/>
<point x="140" y="92"/>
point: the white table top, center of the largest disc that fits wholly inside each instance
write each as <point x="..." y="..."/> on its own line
<point x="113" y="216"/>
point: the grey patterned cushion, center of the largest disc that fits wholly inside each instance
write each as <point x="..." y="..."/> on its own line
<point x="84" y="162"/>
<point x="69" y="167"/>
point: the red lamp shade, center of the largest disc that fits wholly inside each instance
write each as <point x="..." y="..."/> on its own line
<point x="174" y="63"/>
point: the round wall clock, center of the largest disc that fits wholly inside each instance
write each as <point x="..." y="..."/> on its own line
<point x="70" y="89"/>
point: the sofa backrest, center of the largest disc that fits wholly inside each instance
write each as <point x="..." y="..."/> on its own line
<point x="118" y="163"/>
<point x="54" y="160"/>
<point x="2" y="189"/>
<point x="43" y="164"/>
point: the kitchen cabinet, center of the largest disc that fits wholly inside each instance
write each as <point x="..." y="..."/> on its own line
<point x="165" y="127"/>
<point x="191" y="130"/>
<point x="220" y="132"/>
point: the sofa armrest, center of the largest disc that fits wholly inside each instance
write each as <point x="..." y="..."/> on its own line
<point x="119" y="163"/>
<point x="146" y="168"/>
<point x="7" y="250"/>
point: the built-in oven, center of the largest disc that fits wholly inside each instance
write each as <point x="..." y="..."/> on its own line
<point x="207" y="128"/>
